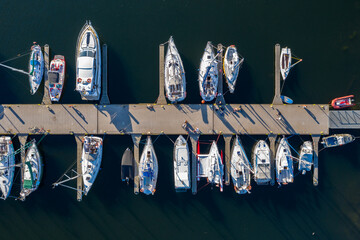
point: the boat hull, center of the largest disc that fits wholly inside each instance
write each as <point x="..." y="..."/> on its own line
<point x="148" y="169"/>
<point x="36" y="68"/>
<point x="240" y="168"/>
<point x="208" y="74"/>
<point x="181" y="165"/>
<point x="337" y="140"/>
<point x="261" y="162"/>
<point x="343" y="102"/>
<point x="284" y="163"/>
<point x="231" y="66"/>
<point x="127" y="166"/>
<point x="285" y="62"/>
<point x="215" y="167"/>
<point x="7" y="166"/>
<point x="56" y="83"/>
<point x="306" y="157"/>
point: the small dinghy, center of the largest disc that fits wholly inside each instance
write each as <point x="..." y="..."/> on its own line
<point x="215" y="168"/>
<point x="36" y="68"/>
<point x="306" y="157"/>
<point x="337" y="140"/>
<point x="91" y="160"/>
<point x="208" y="74"/>
<point x="7" y="166"/>
<point x="127" y="166"/>
<point x="232" y="64"/>
<point x="33" y="170"/>
<point x="261" y="162"/>
<point x="148" y="169"/>
<point x="88" y="63"/>
<point x="286" y="99"/>
<point x="240" y="168"/>
<point x="284" y="163"/>
<point x="343" y="102"/>
<point x="56" y="76"/>
<point x="181" y="165"/>
<point x="285" y="62"/>
<point x="175" y="82"/>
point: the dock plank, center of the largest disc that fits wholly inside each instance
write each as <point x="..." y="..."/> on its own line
<point x="161" y="99"/>
<point x="277" y="95"/>
<point x="104" y="96"/>
<point x="79" y="179"/>
<point x="194" y="139"/>
<point x="316" y="139"/>
<point x="227" y="139"/>
<point x="136" y="140"/>
<point x="46" y="97"/>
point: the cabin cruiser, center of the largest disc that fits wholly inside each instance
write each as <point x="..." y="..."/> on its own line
<point x="284" y="163"/>
<point x="175" y="82"/>
<point x="232" y="64"/>
<point x="208" y="74"/>
<point x="148" y="169"/>
<point x="261" y="162"/>
<point x="337" y="140"/>
<point x="36" y="68"/>
<point x="306" y="157"/>
<point x="181" y="165"/>
<point x="88" y="63"/>
<point x="7" y="166"/>
<point x="56" y="76"/>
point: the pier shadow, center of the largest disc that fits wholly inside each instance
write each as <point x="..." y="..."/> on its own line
<point x="80" y="124"/>
<point x="120" y="117"/>
<point x="80" y="114"/>
<point x="221" y="112"/>
<point x="312" y="115"/>
<point x="16" y="115"/>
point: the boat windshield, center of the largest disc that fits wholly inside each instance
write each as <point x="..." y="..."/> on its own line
<point x="53" y="77"/>
<point x="332" y="141"/>
<point x="87" y="53"/>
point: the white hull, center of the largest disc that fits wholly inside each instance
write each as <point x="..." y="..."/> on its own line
<point x="88" y="63"/>
<point x="36" y="68"/>
<point x="285" y="62"/>
<point x="232" y="64"/>
<point x="261" y="161"/>
<point x="7" y="166"/>
<point x="208" y="74"/>
<point x="306" y="157"/>
<point x="56" y="77"/>
<point x="181" y="165"/>
<point x="148" y="169"/>
<point x="240" y="168"/>
<point x="175" y="82"/>
<point x="91" y="160"/>
<point x="33" y="170"/>
<point x="215" y="168"/>
<point x="284" y="163"/>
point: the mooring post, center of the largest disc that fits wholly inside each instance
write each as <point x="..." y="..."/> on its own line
<point x="161" y="99"/>
<point x="277" y="96"/>
<point x="227" y="139"/>
<point x="316" y="139"/>
<point x="46" y="98"/>
<point x="220" y="100"/>
<point x="194" y="138"/>
<point x="272" y="139"/>
<point x="79" y="182"/>
<point x="136" y="140"/>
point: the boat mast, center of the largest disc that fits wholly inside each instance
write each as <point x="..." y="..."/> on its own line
<point x="14" y="69"/>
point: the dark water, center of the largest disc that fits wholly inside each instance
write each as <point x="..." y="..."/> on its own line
<point x="324" y="33"/>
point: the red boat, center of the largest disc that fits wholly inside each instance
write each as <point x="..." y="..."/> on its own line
<point x="343" y="102"/>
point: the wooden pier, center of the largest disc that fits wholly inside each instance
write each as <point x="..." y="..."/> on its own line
<point x="136" y="140"/>
<point x="46" y="97"/>
<point x="161" y="99"/>
<point x="220" y="100"/>
<point x="104" y="100"/>
<point x="79" y="179"/>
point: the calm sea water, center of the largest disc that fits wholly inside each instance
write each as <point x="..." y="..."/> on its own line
<point x="324" y="33"/>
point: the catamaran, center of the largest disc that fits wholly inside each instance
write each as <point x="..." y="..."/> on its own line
<point x="33" y="170"/>
<point x="91" y="160"/>
<point x="127" y="166"/>
<point x="208" y="74"/>
<point x="232" y="64"/>
<point x="56" y="76"/>
<point x="175" y="82"/>
<point x="36" y="68"/>
<point x="88" y="63"/>
<point x="148" y="169"/>
<point x="215" y="168"/>
<point x="337" y="140"/>
<point x="7" y="166"/>
<point x="285" y="62"/>
<point x="306" y="157"/>
<point x="240" y="168"/>
<point x="181" y="165"/>
<point x="284" y="163"/>
<point x="261" y="162"/>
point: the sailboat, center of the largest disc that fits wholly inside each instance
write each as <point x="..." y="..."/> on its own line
<point x="127" y="166"/>
<point x="7" y="166"/>
<point x="215" y="168"/>
<point x="148" y="169"/>
<point x="261" y="162"/>
<point x="36" y="68"/>
<point x="306" y="157"/>
<point x="337" y="140"/>
<point x="33" y="170"/>
<point x="240" y="168"/>
<point x="232" y="64"/>
<point x="284" y="163"/>
<point x="88" y="63"/>
<point x="56" y="76"/>
<point x="181" y="165"/>
<point x="175" y="82"/>
<point x="285" y="62"/>
<point x="208" y="74"/>
<point x="91" y="160"/>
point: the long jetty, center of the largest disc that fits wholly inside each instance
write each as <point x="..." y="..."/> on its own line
<point x="162" y="118"/>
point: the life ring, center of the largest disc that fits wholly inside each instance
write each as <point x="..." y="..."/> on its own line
<point x="79" y="80"/>
<point x="89" y="80"/>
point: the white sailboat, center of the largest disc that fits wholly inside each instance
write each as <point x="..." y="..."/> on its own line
<point x="7" y="166"/>
<point x="36" y="68"/>
<point x="306" y="157"/>
<point x="88" y="63"/>
<point x="91" y="160"/>
<point x="232" y="64"/>
<point x="33" y="170"/>
<point x="208" y="74"/>
<point x="261" y="162"/>
<point x="285" y="62"/>
<point x="148" y="169"/>
<point x="284" y="163"/>
<point x="175" y="82"/>
<point x="240" y="168"/>
<point x="215" y="168"/>
<point x="181" y="165"/>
